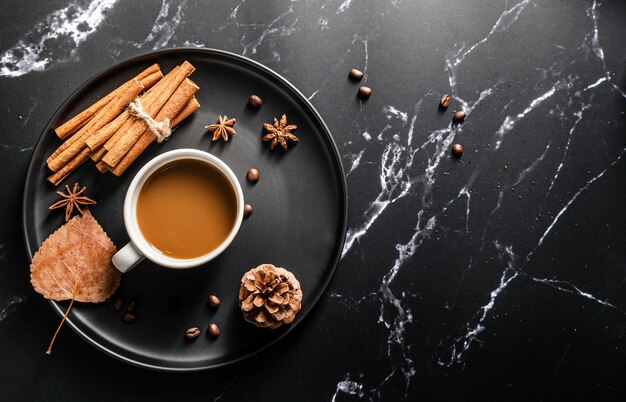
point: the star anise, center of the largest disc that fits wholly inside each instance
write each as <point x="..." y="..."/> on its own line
<point x="71" y="199"/>
<point x="223" y="128"/>
<point x="280" y="132"/>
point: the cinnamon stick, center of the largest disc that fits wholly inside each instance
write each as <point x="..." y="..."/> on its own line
<point x="101" y="136"/>
<point x="115" y="135"/>
<point x="125" y="143"/>
<point x="71" y="140"/>
<point x="72" y="165"/>
<point x="148" y="97"/>
<point x="148" y="71"/>
<point x="177" y="102"/>
<point x="102" y="167"/>
<point x="78" y="121"/>
<point x="110" y="133"/>
<point x="97" y="154"/>
<point x="150" y="80"/>
<point x="149" y="137"/>
<point x="103" y="117"/>
<point x="118" y="134"/>
<point x="189" y="108"/>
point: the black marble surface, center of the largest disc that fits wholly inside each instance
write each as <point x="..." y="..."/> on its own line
<point x="499" y="276"/>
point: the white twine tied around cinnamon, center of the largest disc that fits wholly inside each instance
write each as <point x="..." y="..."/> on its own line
<point x="161" y="129"/>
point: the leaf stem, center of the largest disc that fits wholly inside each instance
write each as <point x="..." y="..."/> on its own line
<point x="49" y="351"/>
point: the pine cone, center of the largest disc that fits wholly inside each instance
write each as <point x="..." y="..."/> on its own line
<point x="269" y="296"/>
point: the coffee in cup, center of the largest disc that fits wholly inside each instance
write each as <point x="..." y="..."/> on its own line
<point x="181" y="210"/>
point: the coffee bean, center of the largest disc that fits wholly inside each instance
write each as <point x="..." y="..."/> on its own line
<point x="365" y="92"/>
<point x="213" y="330"/>
<point x="355" y="74"/>
<point x="255" y="101"/>
<point x="192" y="333"/>
<point x="118" y="304"/>
<point x="247" y="210"/>
<point x="445" y="101"/>
<point x="129" y="318"/>
<point x="457" y="150"/>
<point x="458" y="116"/>
<point x="132" y="305"/>
<point x="214" y="301"/>
<point x="253" y="175"/>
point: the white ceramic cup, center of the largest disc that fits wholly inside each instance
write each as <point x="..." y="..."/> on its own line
<point x="138" y="248"/>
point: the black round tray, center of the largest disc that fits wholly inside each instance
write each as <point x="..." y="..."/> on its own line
<point x="299" y="218"/>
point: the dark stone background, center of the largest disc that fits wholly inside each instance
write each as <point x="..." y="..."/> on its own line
<point x="502" y="280"/>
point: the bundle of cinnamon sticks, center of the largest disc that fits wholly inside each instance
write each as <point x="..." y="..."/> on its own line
<point x="111" y="135"/>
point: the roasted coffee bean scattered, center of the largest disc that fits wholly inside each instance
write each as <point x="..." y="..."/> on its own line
<point x="365" y="92"/>
<point x="214" y="301"/>
<point x="247" y="210"/>
<point x="255" y="101"/>
<point x="355" y="74"/>
<point x="445" y="101"/>
<point x="118" y="304"/>
<point x="253" y="175"/>
<point x="132" y="305"/>
<point x="192" y="333"/>
<point x="458" y="116"/>
<point x="129" y="318"/>
<point x="213" y="330"/>
<point x="457" y="150"/>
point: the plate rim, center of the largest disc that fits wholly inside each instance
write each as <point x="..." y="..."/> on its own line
<point x="210" y="51"/>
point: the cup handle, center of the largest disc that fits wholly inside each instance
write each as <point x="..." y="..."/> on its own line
<point x="127" y="258"/>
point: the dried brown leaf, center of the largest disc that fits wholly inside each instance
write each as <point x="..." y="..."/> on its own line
<point x="77" y="255"/>
<point x="74" y="263"/>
